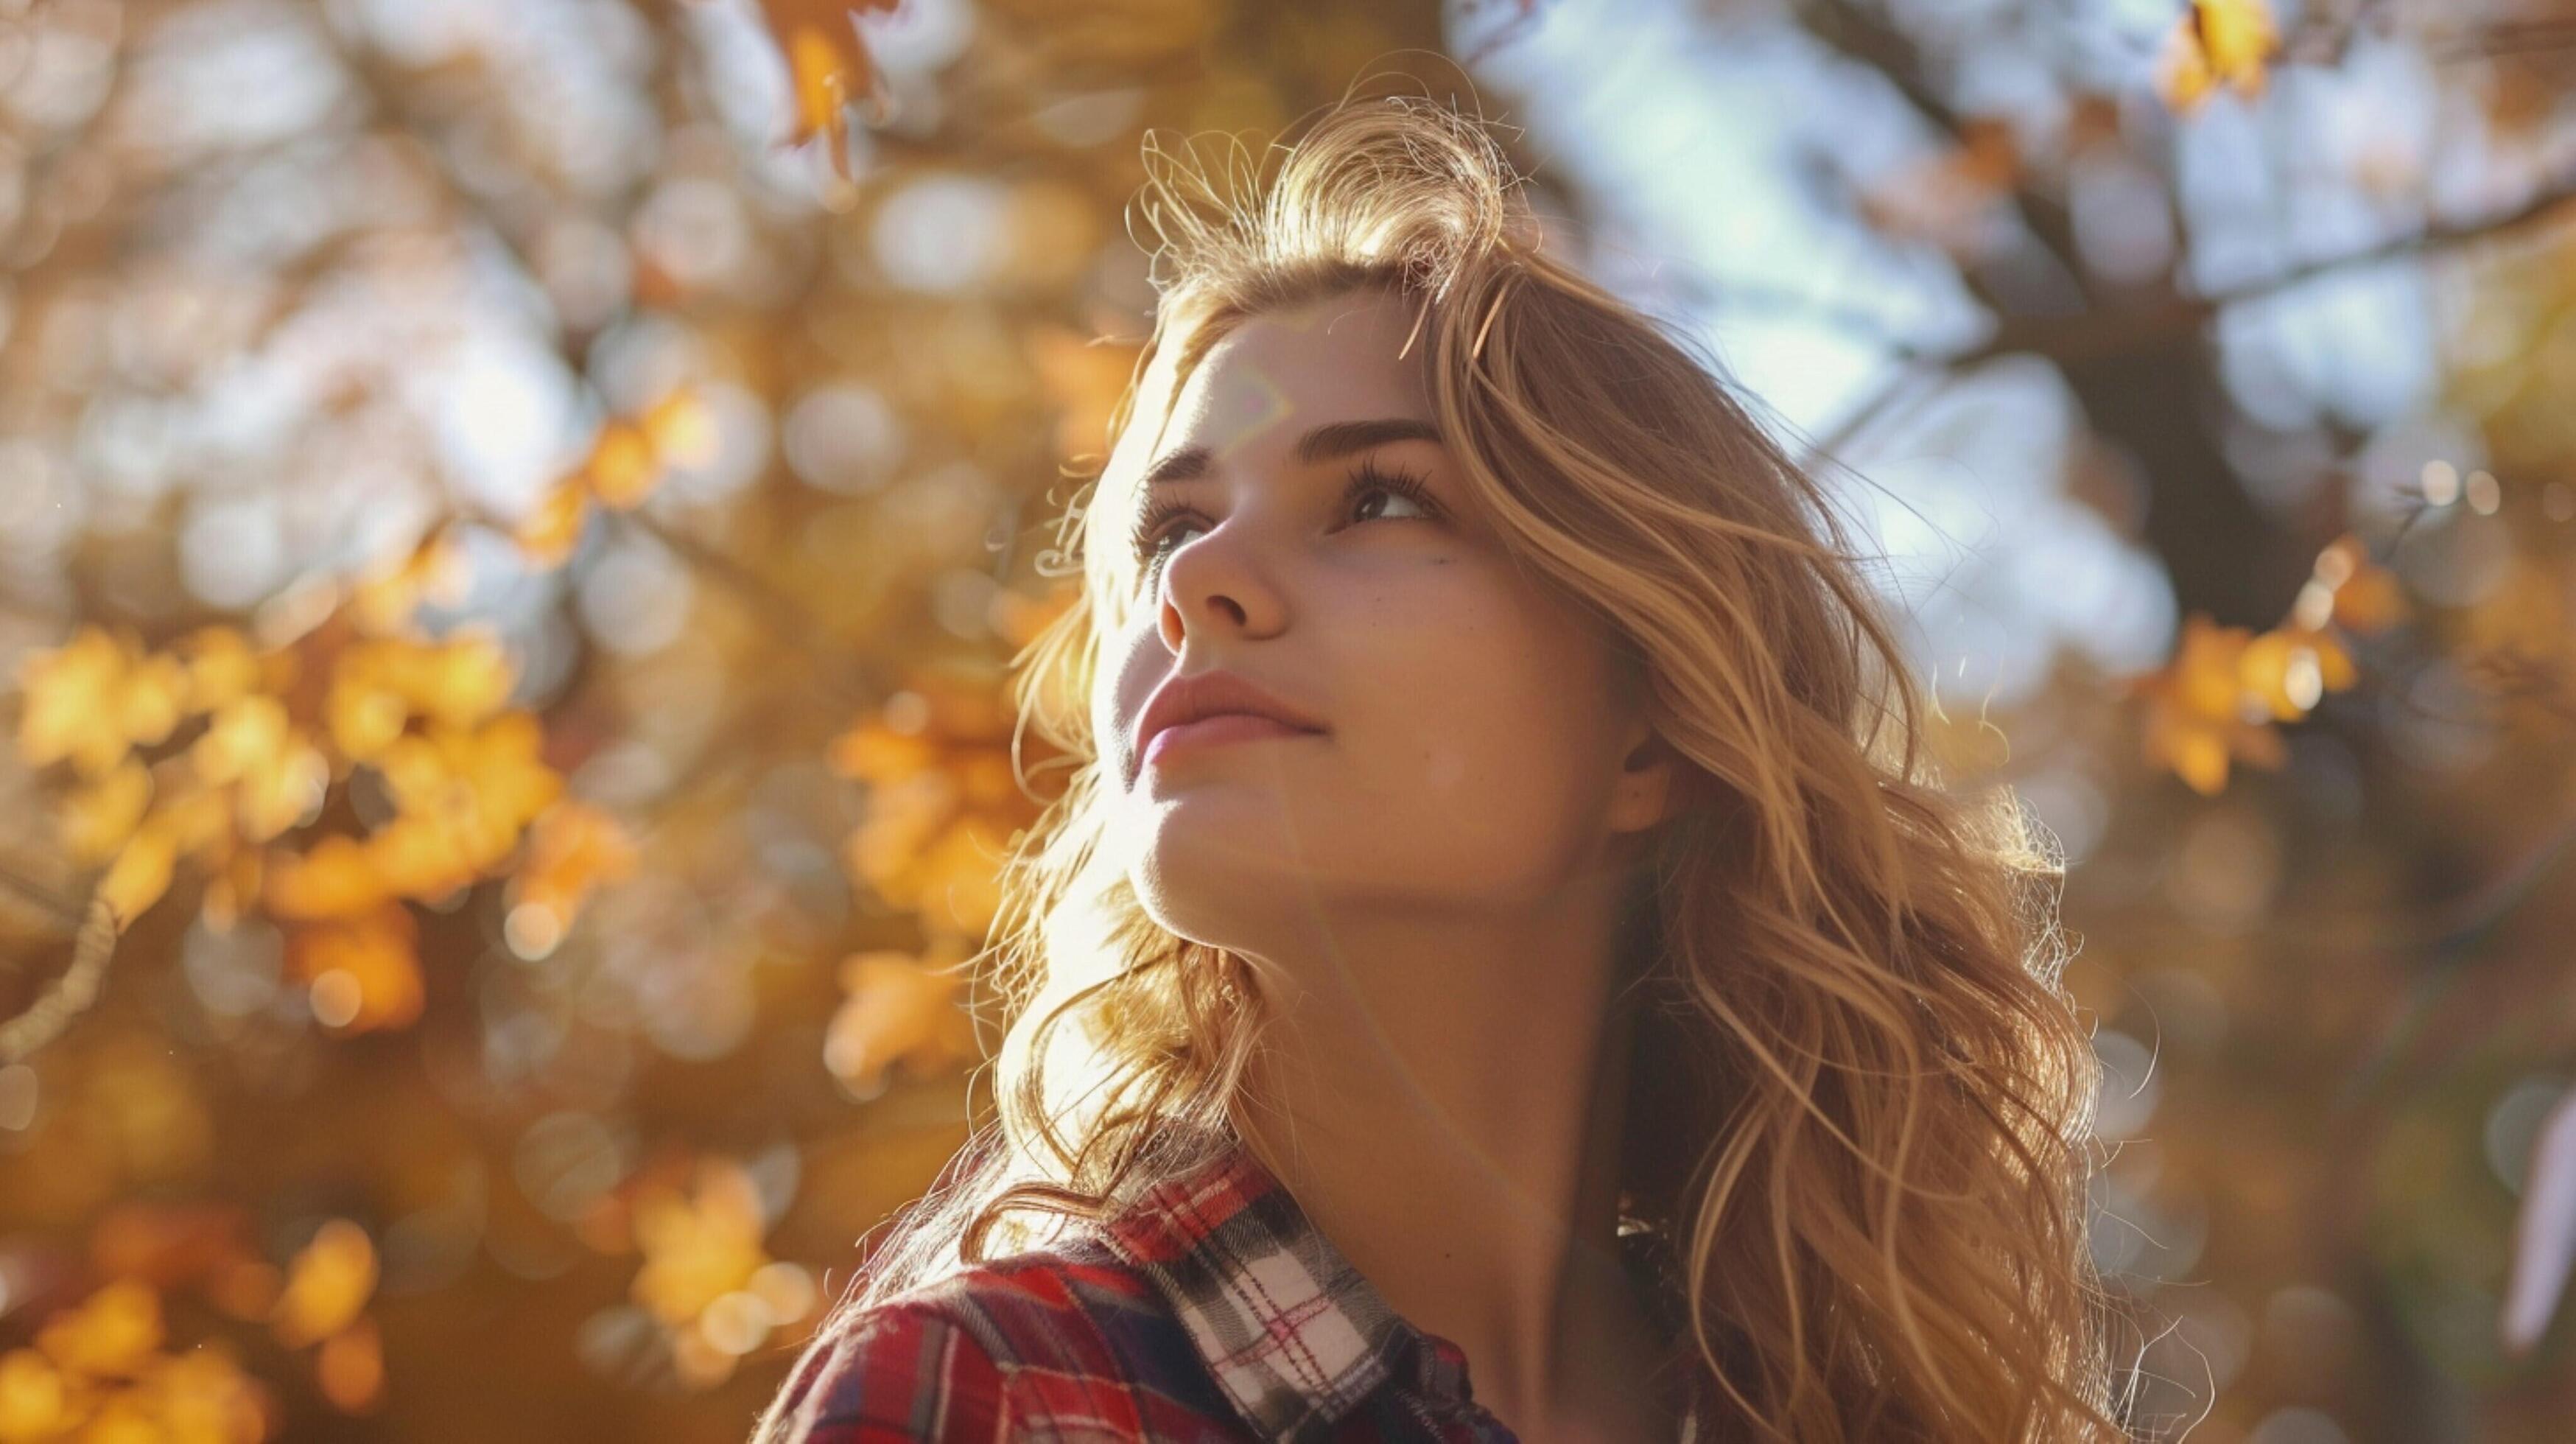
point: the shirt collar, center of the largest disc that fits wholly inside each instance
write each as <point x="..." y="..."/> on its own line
<point x="1293" y="1333"/>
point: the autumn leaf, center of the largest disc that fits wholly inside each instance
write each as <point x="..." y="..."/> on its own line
<point x="328" y="1282"/>
<point x="35" y="1399"/>
<point x="829" y="66"/>
<point x="899" y="1009"/>
<point x="203" y="1397"/>
<point x="682" y="429"/>
<point x="572" y="848"/>
<point x="99" y="817"/>
<point x="2196" y="707"/>
<point x="350" y="1369"/>
<point x="141" y="871"/>
<point x="222" y="667"/>
<point x="362" y="972"/>
<point x="547" y="534"/>
<point x="107" y="1335"/>
<point x="335" y="878"/>
<point x="278" y="777"/>
<point x="383" y="599"/>
<point x="621" y="468"/>
<point x="2289" y="669"/>
<point x="2216" y="42"/>
<point x="699" y="1246"/>
<point x="93" y="698"/>
<point x="2349" y="590"/>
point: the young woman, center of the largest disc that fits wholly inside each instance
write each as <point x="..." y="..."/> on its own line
<point x="1526" y="981"/>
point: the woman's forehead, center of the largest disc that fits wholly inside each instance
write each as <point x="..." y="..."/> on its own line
<point x="1274" y="374"/>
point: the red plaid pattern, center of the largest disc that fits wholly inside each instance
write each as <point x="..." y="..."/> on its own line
<point x="1208" y="1310"/>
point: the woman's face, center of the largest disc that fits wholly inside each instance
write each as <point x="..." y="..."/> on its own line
<point x="1474" y="732"/>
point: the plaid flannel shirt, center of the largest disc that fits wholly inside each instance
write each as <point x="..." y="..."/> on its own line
<point x="1209" y="1311"/>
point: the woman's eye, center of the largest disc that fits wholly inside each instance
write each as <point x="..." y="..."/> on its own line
<point x="1159" y="532"/>
<point x="1402" y="498"/>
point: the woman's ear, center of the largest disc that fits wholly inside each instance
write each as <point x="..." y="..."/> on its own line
<point x="1644" y="790"/>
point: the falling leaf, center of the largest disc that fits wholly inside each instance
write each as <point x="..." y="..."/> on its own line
<point x="326" y="1285"/>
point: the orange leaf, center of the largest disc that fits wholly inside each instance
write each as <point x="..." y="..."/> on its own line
<point x="546" y="535"/>
<point x="107" y="1335"/>
<point x="97" y="819"/>
<point x="700" y="1247"/>
<point x="35" y="1399"/>
<point x="363" y="972"/>
<point x="93" y="698"/>
<point x="141" y="872"/>
<point x="335" y="878"/>
<point x="898" y="1011"/>
<point x="326" y="1285"/>
<point x="572" y="848"/>
<point x="682" y="429"/>
<point x="829" y="65"/>
<point x="351" y="1368"/>
<point x="622" y="468"/>
<point x="2216" y="42"/>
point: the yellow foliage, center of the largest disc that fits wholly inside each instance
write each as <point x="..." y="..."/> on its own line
<point x="96" y="696"/>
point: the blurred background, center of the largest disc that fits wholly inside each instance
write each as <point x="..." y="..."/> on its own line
<point x="513" y="513"/>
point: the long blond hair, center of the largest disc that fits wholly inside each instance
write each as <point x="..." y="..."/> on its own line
<point x="1860" y="1122"/>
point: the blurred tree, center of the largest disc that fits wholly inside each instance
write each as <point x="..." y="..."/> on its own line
<point x="514" y="517"/>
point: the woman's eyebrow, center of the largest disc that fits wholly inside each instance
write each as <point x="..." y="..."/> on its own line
<point x="1324" y="443"/>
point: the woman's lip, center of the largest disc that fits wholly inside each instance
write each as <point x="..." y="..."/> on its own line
<point x="1222" y="727"/>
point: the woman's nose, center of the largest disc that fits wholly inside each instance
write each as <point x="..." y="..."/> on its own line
<point x="1220" y="579"/>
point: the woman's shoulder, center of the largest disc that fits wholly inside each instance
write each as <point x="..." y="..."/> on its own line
<point x="1065" y="1332"/>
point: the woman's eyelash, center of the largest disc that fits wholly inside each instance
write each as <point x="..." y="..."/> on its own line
<point x="1368" y="477"/>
